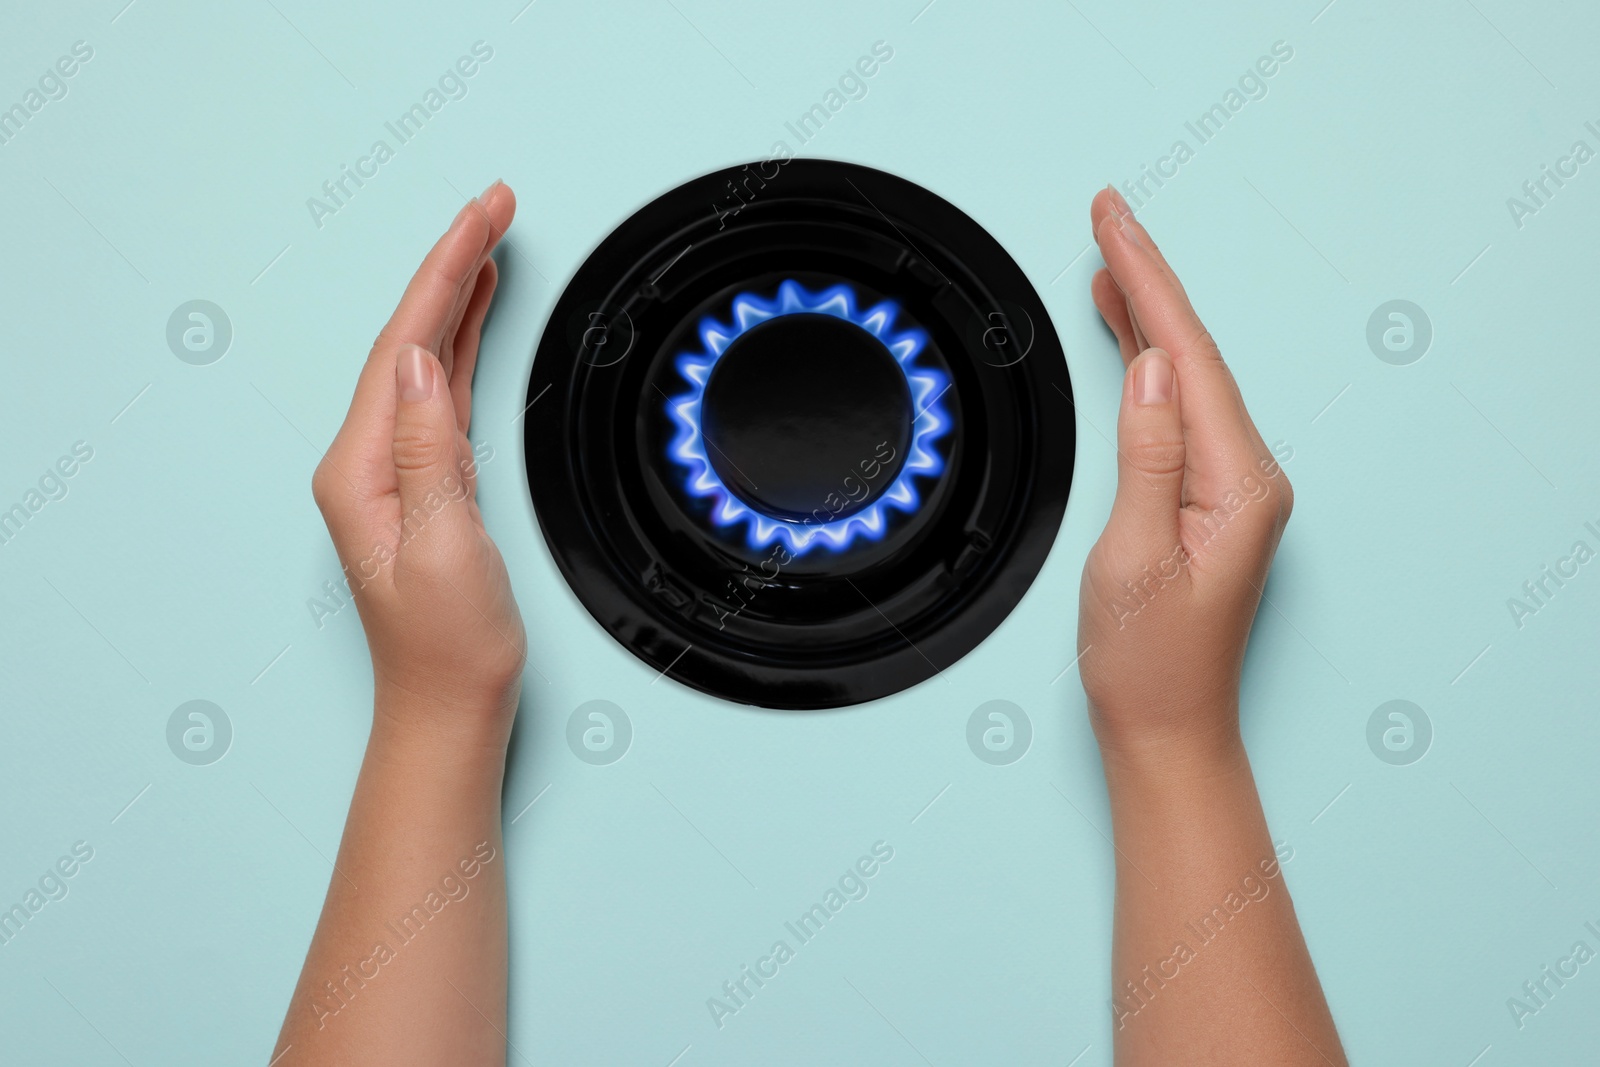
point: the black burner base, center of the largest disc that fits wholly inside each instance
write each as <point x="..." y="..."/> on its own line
<point x="769" y="608"/>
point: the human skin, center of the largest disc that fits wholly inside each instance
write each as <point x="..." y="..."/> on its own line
<point x="1168" y="596"/>
<point x="398" y="493"/>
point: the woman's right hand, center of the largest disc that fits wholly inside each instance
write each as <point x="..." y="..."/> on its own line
<point x="398" y="491"/>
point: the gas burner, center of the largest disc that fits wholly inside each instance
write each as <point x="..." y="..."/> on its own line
<point x="807" y="454"/>
<point x="820" y="401"/>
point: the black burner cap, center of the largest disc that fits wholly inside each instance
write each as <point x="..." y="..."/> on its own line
<point x="799" y="409"/>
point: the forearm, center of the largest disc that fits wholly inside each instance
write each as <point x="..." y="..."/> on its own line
<point x="1208" y="962"/>
<point x="408" y="963"/>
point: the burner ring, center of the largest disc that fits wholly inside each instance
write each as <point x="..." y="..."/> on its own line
<point x="824" y="463"/>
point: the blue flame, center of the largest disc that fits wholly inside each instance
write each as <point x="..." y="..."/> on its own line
<point x="931" y="421"/>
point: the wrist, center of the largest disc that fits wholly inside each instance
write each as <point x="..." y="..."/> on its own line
<point x="423" y="731"/>
<point x="1192" y="744"/>
<point x="1183" y="806"/>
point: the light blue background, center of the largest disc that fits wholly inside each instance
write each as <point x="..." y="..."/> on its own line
<point x="180" y="563"/>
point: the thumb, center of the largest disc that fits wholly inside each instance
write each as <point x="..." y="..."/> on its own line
<point x="1150" y="460"/>
<point x="424" y="443"/>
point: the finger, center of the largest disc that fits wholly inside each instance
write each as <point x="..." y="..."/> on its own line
<point x="1222" y="437"/>
<point x="1108" y="202"/>
<point x="467" y="340"/>
<point x="1151" y="458"/>
<point x="1113" y="203"/>
<point x="430" y="298"/>
<point x="1139" y="337"/>
<point x="498" y="206"/>
<point x="427" y="461"/>
<point x="444" y="345"/>
<point x="1099" y="208"/>
<point x="1226" y="436"/>
<point x="362" y="448"/>
<point x="1159" y="302"/>
<point x="1113" y="305"/>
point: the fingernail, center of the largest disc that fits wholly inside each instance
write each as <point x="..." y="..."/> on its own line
<point x="1111" y="223"/>
<point x="1123" y="214"/>
<point x="1127" y="231"/>
<point x="412" y="374"/>
<point x="490" y="189"/>
<point x="1152" y="383"/>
